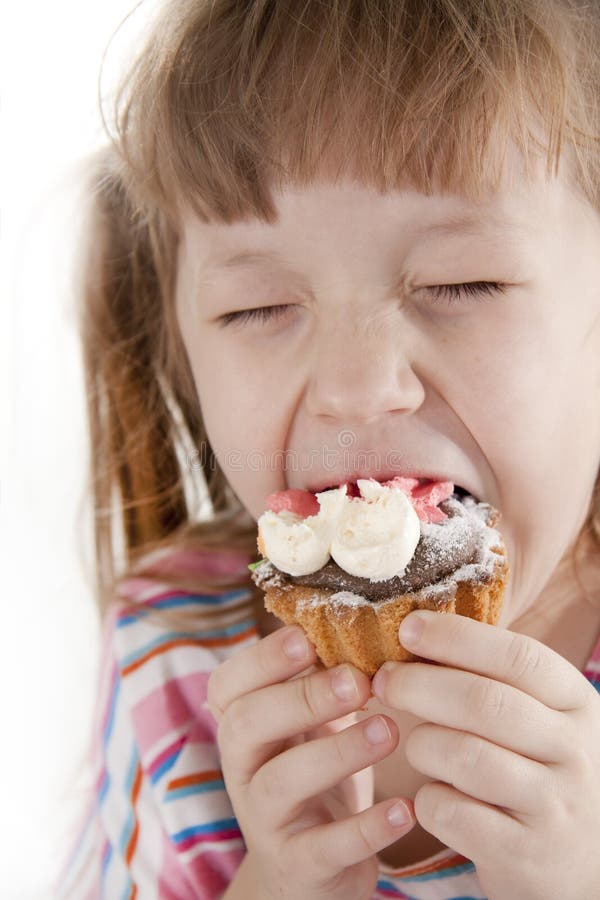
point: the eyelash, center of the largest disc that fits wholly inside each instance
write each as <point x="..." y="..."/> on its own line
<point x="481" y="290"/>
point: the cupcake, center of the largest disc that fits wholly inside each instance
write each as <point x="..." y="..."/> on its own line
<point x="349" y="563"/>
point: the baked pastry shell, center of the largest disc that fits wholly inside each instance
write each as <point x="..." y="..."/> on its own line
<point x="365" y="634"/>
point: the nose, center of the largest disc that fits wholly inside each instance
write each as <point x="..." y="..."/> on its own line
<point x="361" y="373"/>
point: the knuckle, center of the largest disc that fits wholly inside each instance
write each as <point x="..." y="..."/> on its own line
<point x="264" y="659"/>
<point x="523" y="656"/>
<point x="562" y="737"/>
<point x="307" y="699"/>
<point x="488" y="696"/>
<point x="270" y="785"/>
<point x="364" y="835"/>
<point x="447" y="812"/>
<point x="434" y="806"/>
<point x="338" y="747"/>
<point x="236" y="724"/>
<point x="418" y="743"/>
<point x="469" y="753"/>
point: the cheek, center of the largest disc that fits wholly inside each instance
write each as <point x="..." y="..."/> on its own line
<point x="244" y="417"/>
<point x="515" y="383"/>
<point x="534" y="405"/>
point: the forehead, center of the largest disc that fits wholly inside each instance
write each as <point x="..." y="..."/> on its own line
<point x="352" y="214"/>
<point x="355" y="214"/>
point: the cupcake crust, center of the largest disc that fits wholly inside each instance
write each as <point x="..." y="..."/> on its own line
<point x="344" y="627"/>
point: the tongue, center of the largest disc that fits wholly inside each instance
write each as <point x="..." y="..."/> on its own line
<point x="295" y="500"/>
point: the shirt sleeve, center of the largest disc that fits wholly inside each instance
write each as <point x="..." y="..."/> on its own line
<point x="161" y="824"/>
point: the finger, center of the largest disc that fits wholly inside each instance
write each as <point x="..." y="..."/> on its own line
<point x="480" y="769"/>
<point x="338" y="845"/>
<point x="515" y="659"/>
<point x="471" y="828"/>
<point x="254" y="726"/>
<point x="319" y="766"/>
<point x="278" y="656"/>
<point x="467" y="702"/>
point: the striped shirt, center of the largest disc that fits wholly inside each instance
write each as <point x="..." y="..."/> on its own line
<point x="159" y="822"/>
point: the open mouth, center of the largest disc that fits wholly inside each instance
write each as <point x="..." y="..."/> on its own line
<point x="459" y="492"/>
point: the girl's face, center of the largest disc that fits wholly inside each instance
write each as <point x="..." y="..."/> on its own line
<point x="367" y="364"/>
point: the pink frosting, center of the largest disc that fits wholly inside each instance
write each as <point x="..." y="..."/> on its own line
<point x="425" y="498"/>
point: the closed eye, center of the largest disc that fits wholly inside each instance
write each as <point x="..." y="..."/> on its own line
<point x="481" y="290"/>
<point x="260" y="314"/>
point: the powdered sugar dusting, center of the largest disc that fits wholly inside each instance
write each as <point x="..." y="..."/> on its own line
<point x="450" y="539"/>
<point x="341" y="600"/>
<point x="347" y="598"/>
<point x="267" y="576"/>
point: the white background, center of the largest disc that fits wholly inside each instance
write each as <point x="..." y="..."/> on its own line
<point x="51" y="55"/>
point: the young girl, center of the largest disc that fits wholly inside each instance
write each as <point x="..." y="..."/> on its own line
<point x="329" y="240"/>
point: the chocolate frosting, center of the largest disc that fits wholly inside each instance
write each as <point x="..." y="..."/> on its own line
<point x="442" y="549"/>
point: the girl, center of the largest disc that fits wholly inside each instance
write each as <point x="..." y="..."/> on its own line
<point x="328" y="240"/>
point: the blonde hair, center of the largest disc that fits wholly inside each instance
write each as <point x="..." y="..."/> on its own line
<point x="229" y="100"/>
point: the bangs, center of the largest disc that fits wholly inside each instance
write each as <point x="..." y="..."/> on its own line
<point x="232" y="101"/>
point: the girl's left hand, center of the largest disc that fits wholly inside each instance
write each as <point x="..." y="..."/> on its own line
<point x="512" y="738"/>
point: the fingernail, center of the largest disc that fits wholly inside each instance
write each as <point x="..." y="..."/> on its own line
<point x="295" y="646"/>
<point x="377" y="731"/>
<point x="411" y="630"/>
<point x="343" y="684"/>
<point x="398" y="815"/>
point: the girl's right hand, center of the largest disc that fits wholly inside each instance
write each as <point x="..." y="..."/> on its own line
<point x="303" y="833"/>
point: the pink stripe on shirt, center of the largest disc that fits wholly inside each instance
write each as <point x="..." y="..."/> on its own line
<point x="178" y="702"/>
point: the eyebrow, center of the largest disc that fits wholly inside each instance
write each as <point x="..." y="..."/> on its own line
<point x="472" y="224"/>
<point x="467" y="224"/>
<point x="247" y="258"/>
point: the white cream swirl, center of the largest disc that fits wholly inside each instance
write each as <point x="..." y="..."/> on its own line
<point x="377" y="533"/>
<point x="372" y="536"/>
